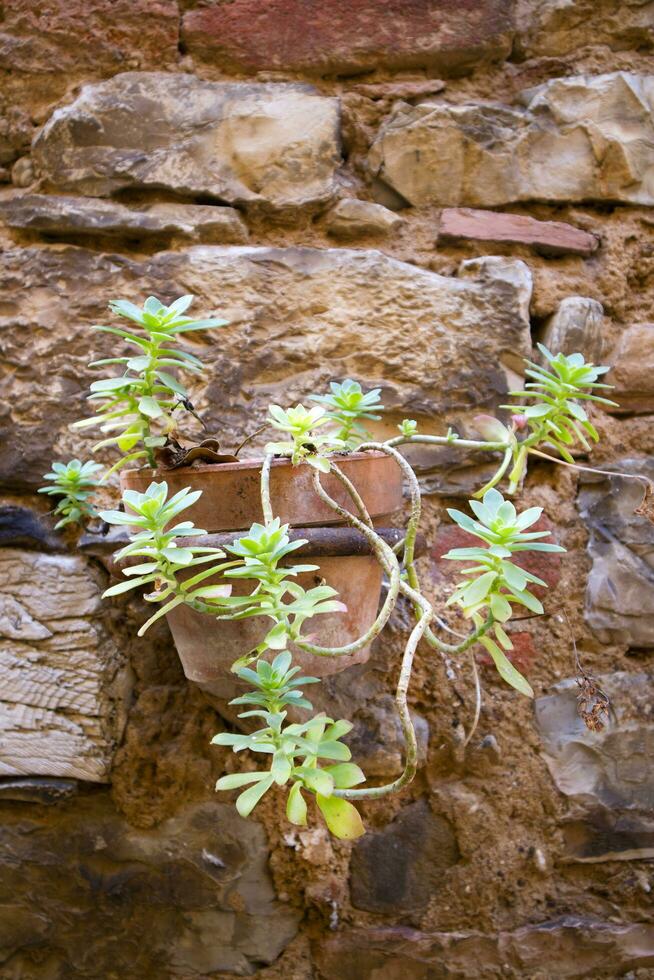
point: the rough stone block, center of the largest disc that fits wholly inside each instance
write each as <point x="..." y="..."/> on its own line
<point x="576" y="327"/>
<point x="608" y="775"/>
<point x="253" y="145"/>
<point x="585" y="138"/>
<point x="574" y="947"/>
<point x="399" y="869"/>
<point x="633" y="370"/>
<point x="62" y="688"/>
<point x="191" y="898"/>
<point x="548" y="237"/>
<point x="351" y="218"/>
<point x="101" y="36"/>
<point x="56" y="214"/>
<point x="554" y="28"/>
<point x="349" y="36"/>
<point x="619" y="593"/>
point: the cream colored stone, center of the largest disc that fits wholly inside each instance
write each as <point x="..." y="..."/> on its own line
<point x="576" y="139"/>
<point x="351" y="218"/>
<point x="576" y="326"/>
<point x="254" y="145"/>
<point x="633" y="370"/>
<point x="59" y="702"/>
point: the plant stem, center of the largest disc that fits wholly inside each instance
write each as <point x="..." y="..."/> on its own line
<point x="409" y="546"/>
<point x="442" y="441"/>
<point x="475" y="720"/>
<point x="389" y="560"/>
<point x="266" y="505"/>
<point x="385" y="557"/>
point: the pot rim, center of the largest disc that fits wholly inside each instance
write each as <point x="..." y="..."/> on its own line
<point x="246" y="464"/>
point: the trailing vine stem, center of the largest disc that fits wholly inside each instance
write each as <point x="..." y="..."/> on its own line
<point x="409" y="548"/>
<point x="475" y="720"/>
<point x="385" y="556"/>
<point x="266" y="505"/>
<point x="411" y="759"/>
<point x="453" y="440"/>
<point x="424" y="613"/>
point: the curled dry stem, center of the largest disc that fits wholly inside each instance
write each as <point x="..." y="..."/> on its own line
<point x="475" y="720"/>
<point x="383" y="553"/>
<point x="410" y="588"/>
<point x="266" y="505"/>
<point x="389" y="562"/>
<point x="409" y="547"/>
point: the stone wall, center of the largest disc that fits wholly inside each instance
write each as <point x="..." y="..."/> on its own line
<point x="410" y="193"/>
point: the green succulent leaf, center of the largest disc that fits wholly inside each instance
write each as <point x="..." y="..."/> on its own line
<point x="249" y="798"/>
<point x="505" y="668"/>
<point x="296" y="808"/>
<point x="342" y="818"/>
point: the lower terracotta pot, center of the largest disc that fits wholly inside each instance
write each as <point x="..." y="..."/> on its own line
<point x="208" y="647"/>
<point x="231" y="492"/>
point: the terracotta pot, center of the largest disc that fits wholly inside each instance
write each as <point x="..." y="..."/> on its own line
<point x="208" y="647"/>
<point x="231" y="495"/>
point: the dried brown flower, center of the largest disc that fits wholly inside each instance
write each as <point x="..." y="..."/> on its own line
<point x="593" y="704"/>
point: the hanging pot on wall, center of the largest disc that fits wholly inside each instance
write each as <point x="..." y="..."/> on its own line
<point x="230" y="503"/>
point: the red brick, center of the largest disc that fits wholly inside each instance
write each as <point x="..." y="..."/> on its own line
<point x="349" y="36"/>
<point x="101" y="36"/>
<point x="497" y="227"/>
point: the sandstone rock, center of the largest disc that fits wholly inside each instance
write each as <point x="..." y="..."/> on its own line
<point x="509" y="275"/>
<point x="576" y="139"/>
<point x="60" y="707"/>
<point x="439" y="346"/>
<point x="64" y="215"/>
<point x="44" y="37"/>
<point x="15" y="132"/>
<point x="400" y="89"/>
<point x="576" y="326"/>
<point x="349" y="37"/>
<point x="619" y="595"/>
<point x="22" y="172"/>
<point x="553" y="28"/>
<point x="572" y="947"/>
<point x="191" y="898"/>
<point x="255" y="145"/>
<point x="548" y="237"/>
<point x="354" y="219"/>
<point x="608" y="775"/>
<point x="400" y="868"/>
<point x="633" y="367"/>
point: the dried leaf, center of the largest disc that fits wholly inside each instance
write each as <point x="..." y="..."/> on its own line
<point x="173" y="456"/>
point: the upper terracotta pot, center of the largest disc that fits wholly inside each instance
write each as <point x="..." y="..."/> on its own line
<point x="231" y="492"/>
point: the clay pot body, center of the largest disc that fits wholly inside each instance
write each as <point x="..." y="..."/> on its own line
<point x="231" y="492"/>
<point x="230" y="503"/>
<point x="208" y="647"/>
